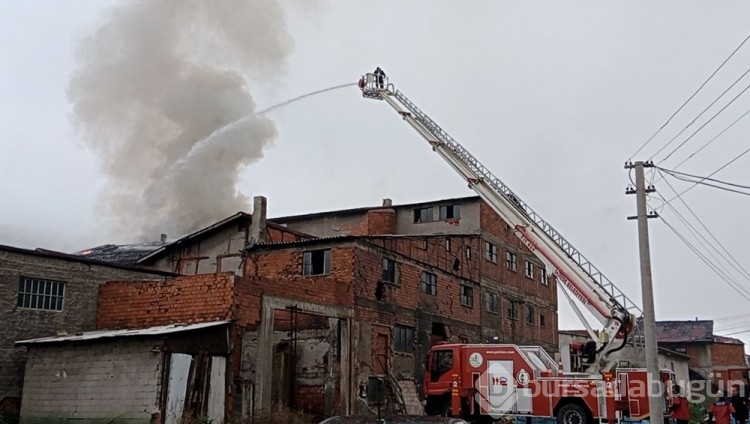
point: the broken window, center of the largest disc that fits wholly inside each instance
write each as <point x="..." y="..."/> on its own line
<point x="467" y="294"/>
<point x="40" y="294"/>
<point x="403" y="339"/>
<point x="423" y="215"/>
<point x="491" y="252"/>
<point x="510" y="261"/>
<point x="316" y="262"/>
<point x="513" y="310"/>
<point x="490" y="302"/>
<point x="542" y="320"/>
<point x="429" y="283"/>
<point x="545" y="276"/>
<point x="529" y="269"/>
<point x="530" y="315"/>
<point x="389" y="270"/>
<point x="468" y="252"/>
<point x="450" y="212"/>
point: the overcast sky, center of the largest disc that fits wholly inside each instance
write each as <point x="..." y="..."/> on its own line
<point x="552" y="96"/>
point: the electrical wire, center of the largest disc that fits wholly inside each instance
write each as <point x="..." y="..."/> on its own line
<point x="692" y="179"/>
<point x="714" y="138"/>
<point x="704" y="125"/>
<point x="703" y="258"/>
<point x="704" y="111"/>
<point x="690" y="98"/>
<point x="739" y="268"/>
<point x="709" y="175"/>
<point x="672" y="171"/>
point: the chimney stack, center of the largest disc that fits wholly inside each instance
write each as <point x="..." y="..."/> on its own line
<point x="387" y="203"/>
<point x="258" y="223"/>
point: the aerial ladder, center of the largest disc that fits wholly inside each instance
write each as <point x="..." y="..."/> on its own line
<point x="621" y="318"/>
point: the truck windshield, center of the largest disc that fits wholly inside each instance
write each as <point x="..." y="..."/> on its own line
<point x="442" y="362"/>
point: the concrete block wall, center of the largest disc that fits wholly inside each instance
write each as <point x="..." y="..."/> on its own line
<point x="82" y="279"/>
<point x="92" y="382"/>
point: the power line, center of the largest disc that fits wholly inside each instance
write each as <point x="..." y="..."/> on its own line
<point x="702" y="257"/>
<point x="736" y="265"/>
<point x="690" y="98"/>
<point x="704" y="124"/>
<point x="704" y="111"/>
<point x="709" y="175"/>
<point x="692" y="179"/>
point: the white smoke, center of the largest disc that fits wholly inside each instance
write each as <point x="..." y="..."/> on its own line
<point x="158" y="77"/>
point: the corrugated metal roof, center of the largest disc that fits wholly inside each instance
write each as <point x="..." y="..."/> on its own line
<point x="109" y="334"/>
<point x="122" y="254"/>
<point x="44" y="253"/>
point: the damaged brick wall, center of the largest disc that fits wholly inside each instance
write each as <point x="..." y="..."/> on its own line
<point x="186" y="299"/>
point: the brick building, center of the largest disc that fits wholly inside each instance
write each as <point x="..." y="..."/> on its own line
<point x="333" y="304"/>
<point x="42" y="293"/>
<point x="710" y="355"/>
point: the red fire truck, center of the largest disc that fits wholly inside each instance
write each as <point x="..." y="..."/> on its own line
<point x="489" y="381"/>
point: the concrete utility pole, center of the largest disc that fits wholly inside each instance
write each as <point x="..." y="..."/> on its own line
<point x="649" y="317"/>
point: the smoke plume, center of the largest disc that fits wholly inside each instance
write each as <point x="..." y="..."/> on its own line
<point x="157" y="78"/>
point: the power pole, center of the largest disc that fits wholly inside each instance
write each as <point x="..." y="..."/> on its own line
<point x="656" y="405"/>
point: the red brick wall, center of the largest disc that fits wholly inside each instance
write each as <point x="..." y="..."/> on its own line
<point x="279" y="273"/>
<point x="381" y="221"/>
<point x="728" y="355"/>
<point x="186" y="299"/>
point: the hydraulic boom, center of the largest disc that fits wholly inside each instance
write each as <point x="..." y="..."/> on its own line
<point x="574" y="273"/>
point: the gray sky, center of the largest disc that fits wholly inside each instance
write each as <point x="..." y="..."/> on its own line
<point x="552" y="96"/>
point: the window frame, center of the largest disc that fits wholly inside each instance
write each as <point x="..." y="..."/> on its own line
<point x="424" y="214"/>
<point x="308" y="266"/>
<point x="428" y="280"/>
<point x="455" y="212"/>
<point x="490" y="303"/>
<point x="513" y="310"/>
<point x="466" y="290"/>
<point x="386" y="272"/>
<point x="490" y="252"/>
<point x="530" y="315"/>
<point x="467" y="252"/>
<point x="403" y="339"/>
<point x="40" y="294"/>
<point x="528" y="269"/>
<point x="511" y="261"/>
<point x="544" y="277"/>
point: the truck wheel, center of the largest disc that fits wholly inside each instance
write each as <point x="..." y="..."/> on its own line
<point x="446" y="410"/>
<point x="572" y="414"/>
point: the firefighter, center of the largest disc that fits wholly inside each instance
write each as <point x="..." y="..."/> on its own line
<point x="680" y="407"/>
<point x="380" y="76"/>
<point x="740" y="406"/>
<point x="721" y="411"/>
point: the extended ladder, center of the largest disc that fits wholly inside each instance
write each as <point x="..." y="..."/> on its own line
<point x="372" y="90"/>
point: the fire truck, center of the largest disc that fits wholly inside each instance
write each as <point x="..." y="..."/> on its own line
<point x="485" y="382"/>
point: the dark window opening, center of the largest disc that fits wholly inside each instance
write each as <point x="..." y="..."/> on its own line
<point x="467" y="294"/>
<point x="389" y="270"/>
<point x="542" y="321"/>
<point x="529" y="270"/>
<point x="439" y="329"/>
<point x="491" y="253"/>
<point x="403" y="339"/>
<point x="456" y="264"/>
<point x="429" y="283"/>
<point x="510" y="261"/>
<point x="450" y="212"/>
<point x="423" y="215"/>
<point x="530" y="315"/>
<point x="375" y="390"/>
<point x="379" y="291"/>
<point x="545" y="276"/>
<point x="317" y="262"/>
<point x="491" y="302"/>
<point x="513" y="310"/>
